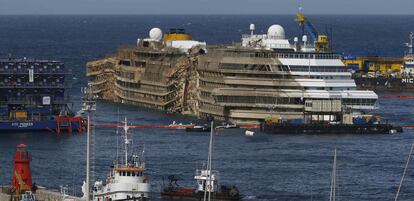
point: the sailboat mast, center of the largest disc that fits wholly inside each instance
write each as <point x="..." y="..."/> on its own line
<point x="332" y="195"/>
<point x="89" y="106"/>
<point x="211" y="158"/>
<point x="88" y="139"/>
<point x="208" y="186"/>
<point x="411" y="43"/>
<point x="405" y="171"/>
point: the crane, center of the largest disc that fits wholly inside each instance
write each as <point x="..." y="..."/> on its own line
<point x="321" y="41"/>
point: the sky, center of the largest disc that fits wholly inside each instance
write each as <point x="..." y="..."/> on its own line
<point x="52" y="7"/>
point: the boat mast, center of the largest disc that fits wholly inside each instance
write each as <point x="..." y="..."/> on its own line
<point x="89" y="106"/>
<point x="410" y="45"/>
<point x="209" y="162"/>
<point x="405" y="171"/>
<point x="333" y="181"/>
<point x="126" y="140"/>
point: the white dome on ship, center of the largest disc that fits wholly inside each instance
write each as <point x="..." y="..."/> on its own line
<point x="155" y="34"/>
<point x="276" y="31"/>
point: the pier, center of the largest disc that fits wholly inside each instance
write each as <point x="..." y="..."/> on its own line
<point x="42" y="194"/>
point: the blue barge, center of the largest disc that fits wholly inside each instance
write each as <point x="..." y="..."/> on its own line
<point x="33" y="97"/>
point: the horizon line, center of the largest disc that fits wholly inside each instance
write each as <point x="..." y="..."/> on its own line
<point x="197" y="14"/>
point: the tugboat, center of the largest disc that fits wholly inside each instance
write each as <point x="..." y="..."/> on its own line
<point x="126" y="181"/>
<point x="207" y="181"/>
<point x="33" y="97"/>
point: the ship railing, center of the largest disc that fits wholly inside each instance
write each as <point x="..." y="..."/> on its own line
<point x="30" y="118"/>
<point x="277" y="55"/>
<point x="362" y="105"/>
<point x="34" y="102"/>
<point x="35" y="71"/>
<point x="33" y="85"/>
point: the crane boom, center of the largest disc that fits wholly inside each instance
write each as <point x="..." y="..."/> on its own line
<point x="321" y="41"/>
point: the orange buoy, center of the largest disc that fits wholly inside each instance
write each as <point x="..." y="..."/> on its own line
<point x="22" y="178"/>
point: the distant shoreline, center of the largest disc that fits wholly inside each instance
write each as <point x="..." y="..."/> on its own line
<point x="350" y="15"/>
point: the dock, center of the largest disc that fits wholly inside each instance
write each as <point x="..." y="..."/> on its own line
<point x="42" y="194"/>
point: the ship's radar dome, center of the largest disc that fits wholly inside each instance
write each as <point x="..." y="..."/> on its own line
<point x="276" y="31"/>
<point x="155" y="34"/>
<point x="252" y="27"/>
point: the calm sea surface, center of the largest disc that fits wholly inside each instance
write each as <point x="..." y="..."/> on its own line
<point x="264" y="167"/>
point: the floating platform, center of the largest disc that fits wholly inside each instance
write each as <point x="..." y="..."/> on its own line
<point x="58" y="125"/>
<point x="330" y="129"/>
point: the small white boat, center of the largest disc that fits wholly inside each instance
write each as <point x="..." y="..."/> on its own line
<point x="180" y="126"/>
<point x="227" y="126"/>
<point x="249" y="133"/>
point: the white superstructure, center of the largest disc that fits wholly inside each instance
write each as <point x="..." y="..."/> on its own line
<point x="127" y="180"/>
<point x="409" y="57"/>
<point x="271" y="75"/>
<point x="320" y="75"/>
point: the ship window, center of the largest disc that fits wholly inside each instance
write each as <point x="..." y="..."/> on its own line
<point x="120" y="174"/>
<point x="133" y="174"/>
<point x="128" y="174"/>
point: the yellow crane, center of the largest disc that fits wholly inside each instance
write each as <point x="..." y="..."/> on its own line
<point x="321" y="41"/>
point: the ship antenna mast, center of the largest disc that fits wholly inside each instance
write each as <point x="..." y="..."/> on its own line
<point x="410" y="45"/>
<point x="89" y="106"/>
<point x="209" y="161"/>
<point x="126" y="140"/>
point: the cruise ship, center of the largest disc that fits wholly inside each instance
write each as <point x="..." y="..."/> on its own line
<point x="264" y="75"/>
<point x="269" y="75"/>
<point x="159" y="72"/>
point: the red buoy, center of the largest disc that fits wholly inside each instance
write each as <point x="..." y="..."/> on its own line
<point x="22" y="178"/>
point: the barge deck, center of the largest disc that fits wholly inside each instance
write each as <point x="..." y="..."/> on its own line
<point x="330" y="129"/>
